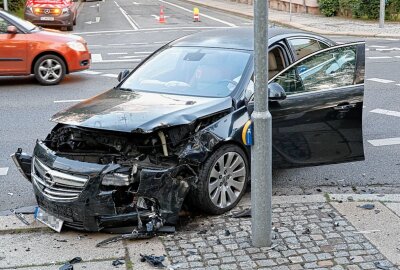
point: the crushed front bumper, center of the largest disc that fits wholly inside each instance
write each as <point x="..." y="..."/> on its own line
<point x="72" y="191"/>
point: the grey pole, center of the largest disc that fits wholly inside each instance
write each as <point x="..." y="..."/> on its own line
<point x="261" y="165"/>
<point x="5" y="5"/>
<point x="382" y="14"/>
<point x="290" y="10"/>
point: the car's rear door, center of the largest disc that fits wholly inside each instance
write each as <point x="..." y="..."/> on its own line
<point x="320" y="121"/>
<point x="13" y="50"/>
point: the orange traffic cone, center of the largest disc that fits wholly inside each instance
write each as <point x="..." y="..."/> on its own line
<point x="161" y="18"/>
<point x="196" y="14"/>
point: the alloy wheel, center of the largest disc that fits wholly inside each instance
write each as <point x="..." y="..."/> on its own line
<point x="227" y="179"/>
<point x="50" y="70"/>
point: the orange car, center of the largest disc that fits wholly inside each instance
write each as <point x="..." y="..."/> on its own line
<point x="49" y="55"/>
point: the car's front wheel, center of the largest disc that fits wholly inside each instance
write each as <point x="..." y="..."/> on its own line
<point x="49" y="69"/>
<point x="222" y="180"/>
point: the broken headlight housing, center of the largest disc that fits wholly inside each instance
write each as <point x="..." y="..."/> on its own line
<point x="116" y="179"/>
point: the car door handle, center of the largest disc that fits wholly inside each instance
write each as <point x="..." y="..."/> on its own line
<point x="344" y="107"/>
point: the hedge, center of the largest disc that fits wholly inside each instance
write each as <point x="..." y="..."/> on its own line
<point x="13" y="5"/>
<point x="366" y="9"/>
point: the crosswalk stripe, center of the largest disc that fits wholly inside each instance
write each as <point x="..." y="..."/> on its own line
<point x="90" y="72"/>
<point x="110" y="75"/>
<point x="379" y="57"/>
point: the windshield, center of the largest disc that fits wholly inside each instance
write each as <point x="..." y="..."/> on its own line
<point x="190" y="71"/>
<point x="25" y="24"/>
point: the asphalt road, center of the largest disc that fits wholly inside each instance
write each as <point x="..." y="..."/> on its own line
<point x="121" y="33"/>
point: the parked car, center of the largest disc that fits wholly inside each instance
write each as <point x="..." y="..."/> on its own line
<point x="59" y="13"/>
<point x="48" y="54"/>
<point x="176" y="125"/>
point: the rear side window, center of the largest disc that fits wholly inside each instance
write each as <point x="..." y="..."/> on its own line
<point x="304" y="46"/>
<point x="3" y="26"/>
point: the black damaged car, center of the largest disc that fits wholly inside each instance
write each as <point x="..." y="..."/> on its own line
<point x="175" y="128"/>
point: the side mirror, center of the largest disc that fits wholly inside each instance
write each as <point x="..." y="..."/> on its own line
<point x="122" y="75"/>
<point x="276" y="92"/>
<point x="11" y="29"/>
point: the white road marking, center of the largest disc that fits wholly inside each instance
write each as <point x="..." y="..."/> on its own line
<point x="385" y="142"/>
<point x="117" y="32"/>
<point x="139" y="43"/>
<point x="377" y="46"/>
<point x="386" y="112"/>
<point x="136" y="3"/>
<point x="3" y="171"/>
<point x="389" y="49"/>
<point x="110" y="75"/>
<point x="127" y="17"/>
<point x="92" y="22"/>
<point x="398" y="84"/>
<point x="116" y="53"/>
<point x="202" y="14"/>
<point x="96" y="57"/>
<point x="120" y="60"/>
<point x="142" y="52"/>
<point x="379" y="57"/>
<point x="68" y="101"/>
<point x="90" y="72"/>
<point x="117" y="44"/>
<point x="130" y="56"/>
<point x="392" y="39"/>
<point x="380" y="80"/>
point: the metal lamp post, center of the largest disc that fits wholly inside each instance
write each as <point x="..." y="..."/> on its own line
<point x="261" y="157"/>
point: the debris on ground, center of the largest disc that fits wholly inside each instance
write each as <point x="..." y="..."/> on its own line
<point x="367" y="206"/>
<point x="319" y="190"/>
<point x="331" y="215"/>
<point x="129" y="236"/>
<point x="380" y="266"/>
<point x="69" y="265"/>
<point x="202" y="232"/>
<point x="20" y="216"/>
<point x="118" y="262"/>
<point x="156" y="261"/>
<point x="227" y="233"/>
<point x="243" y="213"/>
<point x="307" y="231"/>
<point x="10" y="193"/>
<point x="174" y="266"/>
<point x="336" y="224"/>
<point x="350" y="199"/>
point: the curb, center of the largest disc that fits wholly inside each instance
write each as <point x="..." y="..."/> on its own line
<point x="295" y="25"/>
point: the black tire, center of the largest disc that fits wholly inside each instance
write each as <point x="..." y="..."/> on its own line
<point x="74" y="22"/>
<point x="55" y="71"/>
<point x="200" y="196"/>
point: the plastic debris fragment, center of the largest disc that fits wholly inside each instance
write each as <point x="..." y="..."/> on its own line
<point x="118" y="262"/>
<point x="20" y="217"/>
<point x="156" y="261"/>
<point x="242" y="214"/>
<point x="367" y="206"/>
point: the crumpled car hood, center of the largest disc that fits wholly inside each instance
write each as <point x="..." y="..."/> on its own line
<point x="132" y="111"/>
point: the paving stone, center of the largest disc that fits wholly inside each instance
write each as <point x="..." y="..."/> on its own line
<point x="325" y="263"/>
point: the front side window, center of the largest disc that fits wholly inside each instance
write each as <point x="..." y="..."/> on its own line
<point x="305" y="46"/>
<point x="332" y="68"/>
<point x="190" y="71"/>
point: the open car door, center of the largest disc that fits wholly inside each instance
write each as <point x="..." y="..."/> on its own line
<point x="320" y="120"/>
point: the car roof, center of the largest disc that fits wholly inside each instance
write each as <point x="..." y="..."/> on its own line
<point x="240" y="38"/>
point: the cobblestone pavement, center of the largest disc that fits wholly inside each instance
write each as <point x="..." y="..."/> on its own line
<point x="306" y="236"/>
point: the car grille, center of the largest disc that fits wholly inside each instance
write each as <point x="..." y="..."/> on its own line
<point x="47" y="11"/>
<point x="56" y="185"/>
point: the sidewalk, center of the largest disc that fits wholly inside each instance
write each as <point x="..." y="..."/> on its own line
<point x="310" y="232"/>
<point x="308" y="22"/>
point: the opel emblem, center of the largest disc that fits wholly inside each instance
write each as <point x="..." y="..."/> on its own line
<point x="49" y="179"/>
<point x="46" y="11"/>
